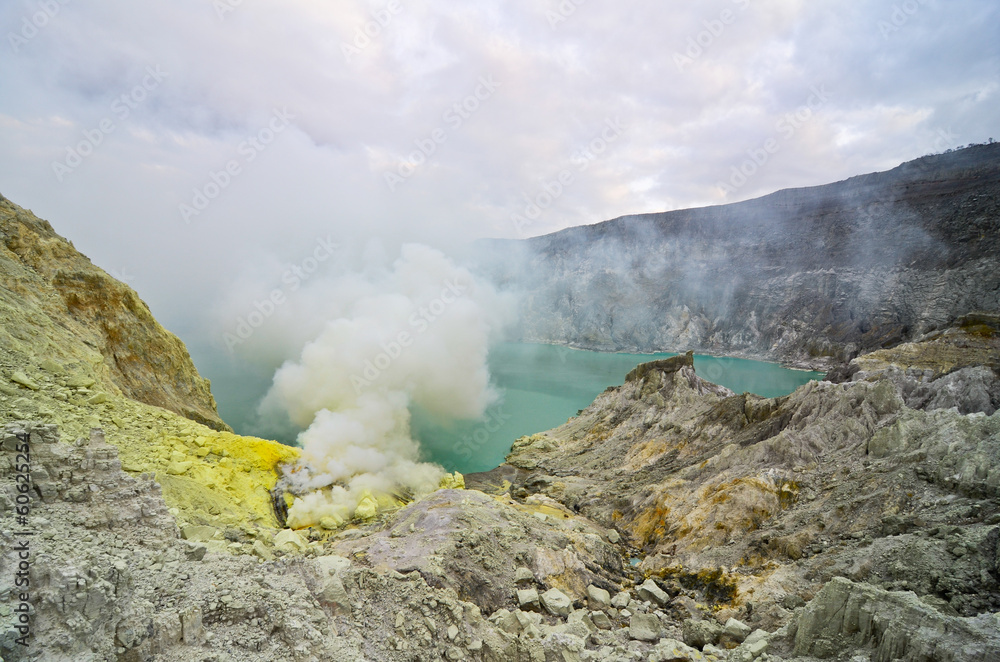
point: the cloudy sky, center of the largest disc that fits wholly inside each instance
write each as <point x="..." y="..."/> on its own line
<point x="198" y="149"/>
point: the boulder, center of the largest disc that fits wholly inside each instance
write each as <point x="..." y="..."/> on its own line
<point x="736" y="631"/>
<point x="700" y="633"/>
<point x="556" y="602"/>
<point x="599" y="598"/>
<point x="600" y="620"/>
<point x="289" y="541"/>
<point x="527" y="598"/>
<point x="645" y="627"/>
<point x="621" y="600"/>
<point x="649" y="590"/>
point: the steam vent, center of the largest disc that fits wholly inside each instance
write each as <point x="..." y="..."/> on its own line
<point x="855" y="519"/>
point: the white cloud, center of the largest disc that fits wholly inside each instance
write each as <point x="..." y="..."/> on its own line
<point x="891" y="96"/>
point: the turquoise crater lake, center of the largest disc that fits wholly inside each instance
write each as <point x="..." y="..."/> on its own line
<point x="542" y="386"/>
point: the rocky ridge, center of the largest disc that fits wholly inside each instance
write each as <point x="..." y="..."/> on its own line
<point x="62" y="315"/>
<point x="888" y="480"/>
<point x="810" y="277"/>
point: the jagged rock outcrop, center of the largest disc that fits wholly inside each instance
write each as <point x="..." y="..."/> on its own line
<point x="811" y="276"/>
<point x="474" y="544"/>
<point x="81" y="351"/>
<point x="894" y="626"/>
<point x="756" y="503"/>
<point x="56" y="305"/>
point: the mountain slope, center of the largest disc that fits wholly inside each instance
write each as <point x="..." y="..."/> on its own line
<point x="810" y="276"/>
<point x="47" y="283"/>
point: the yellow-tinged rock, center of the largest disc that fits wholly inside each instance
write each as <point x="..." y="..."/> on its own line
<point x="51" y="366"/>
<point x="289" y="541"/>
<point x="23" y="380"/>
<point x="178" y="468"/>
<point x="331" y="522"/>
<point x="455" y="481"/>
<point x="367" y="506"/>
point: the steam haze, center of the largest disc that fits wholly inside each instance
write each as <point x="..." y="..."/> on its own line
<point x="416" y="332"/>
<point x="234" y="160"/>
<point x="897" y="85"/>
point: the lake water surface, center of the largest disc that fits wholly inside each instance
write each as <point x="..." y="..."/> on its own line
<point x="544" y="385"/>
<point x="541" y="386"/>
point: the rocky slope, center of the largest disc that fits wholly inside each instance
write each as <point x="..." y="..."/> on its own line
<point x="856" y="519"/>
<point x="672" y="520"/>
<point x="889" y="478"/>
<point x="80" y="350"/>
<point x="810" y="276"/>
<point x="56" y="305"/>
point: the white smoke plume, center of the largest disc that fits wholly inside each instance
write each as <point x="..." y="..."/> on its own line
<point x="416" y="333"/>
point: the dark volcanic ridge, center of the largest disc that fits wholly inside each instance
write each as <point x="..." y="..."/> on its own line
<point x="811" y="276"/>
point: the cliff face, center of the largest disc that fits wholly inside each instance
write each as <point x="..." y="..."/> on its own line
<point x="887" y="480"/>
<point x="56" y="303"/>
<point x="80" y="350"/>
<point x="809" y="276"/>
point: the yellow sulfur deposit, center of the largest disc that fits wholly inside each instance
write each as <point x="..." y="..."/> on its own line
<point x="212" y="477"/>
<point x="208" y="477"/>
<point x="455" y="481"/>
<point x="367" y="507"/>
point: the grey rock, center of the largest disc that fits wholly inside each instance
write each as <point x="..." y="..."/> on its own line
<point x="194" y="551"/>
<point x="527" y="598"/>
<point x="556" y="602"/>
<point x="621" y="600"/>
<point x="700" y="633"/>
<point x="649" y="591"/>
<point x="599" y="598"/>
<point x="600" y="620"/>
<point x="752" y="648"/>
<point x="522" y="575"/>
<point x="843" y="615"/>
<point x="645" y="627"/>
<point x="671" y="650"/>
<point x="736" y="630"/>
